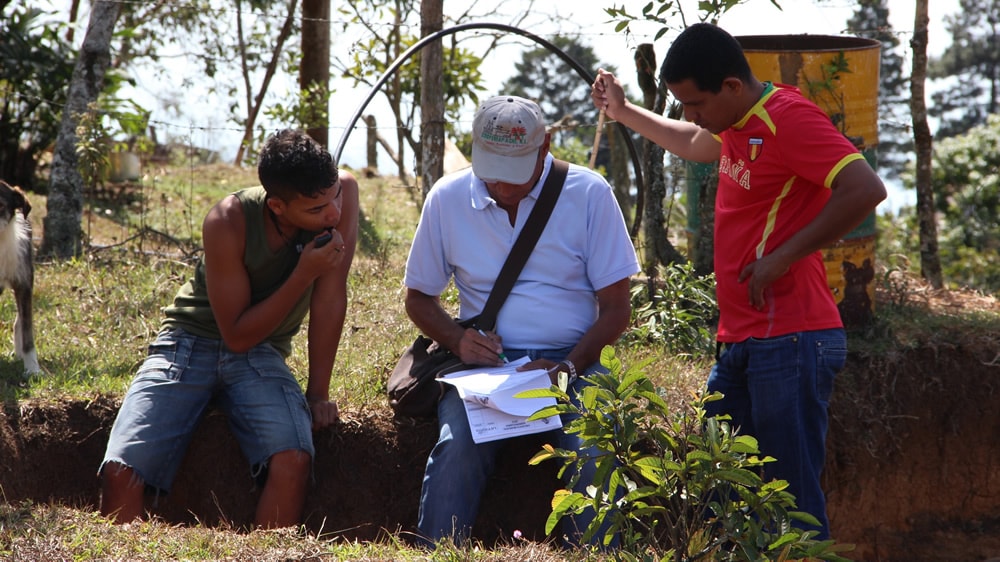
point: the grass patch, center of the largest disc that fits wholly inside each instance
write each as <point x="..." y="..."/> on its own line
<point x="95" y="315"/>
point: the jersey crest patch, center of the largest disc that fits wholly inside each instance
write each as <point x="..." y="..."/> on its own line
<point x="754" y="147"/>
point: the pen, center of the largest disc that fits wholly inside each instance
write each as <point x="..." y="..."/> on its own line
<point x="502" y="356"/>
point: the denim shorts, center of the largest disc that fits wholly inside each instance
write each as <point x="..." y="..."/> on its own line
<point x="182" y="375"/>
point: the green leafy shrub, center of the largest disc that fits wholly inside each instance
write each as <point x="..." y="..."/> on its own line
<point x="672" y="485"/>
<point x="681" y="313"/>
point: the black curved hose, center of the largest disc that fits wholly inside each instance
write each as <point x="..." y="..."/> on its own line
<point x="584" y="73"/>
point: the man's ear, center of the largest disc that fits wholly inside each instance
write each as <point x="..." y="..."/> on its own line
<point x="733" y="85"/>
<point x="275" y="204"/>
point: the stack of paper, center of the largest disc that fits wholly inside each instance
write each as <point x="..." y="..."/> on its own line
<point x="494" y="413"/>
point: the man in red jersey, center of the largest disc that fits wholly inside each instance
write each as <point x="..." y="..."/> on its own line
<point x="789" y="184"/>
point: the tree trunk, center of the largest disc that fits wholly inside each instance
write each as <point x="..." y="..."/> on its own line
<point x="431" y="96"/>
<point x="395" y="99"/>
<point x="372" y="143"/>
<point x="254" y="105"/>
<point x="930" y="261"/>
<point x="618" y="173"/>
<point x="704" y="237"/>
<point x="314" y="70"/>
<point x="658" y="249"/>
<point x="65" y="203"/>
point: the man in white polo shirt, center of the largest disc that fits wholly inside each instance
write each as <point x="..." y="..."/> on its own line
<point x="570" y="300"/>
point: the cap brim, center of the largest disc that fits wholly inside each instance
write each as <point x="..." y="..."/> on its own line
<point x="491" y="167"/>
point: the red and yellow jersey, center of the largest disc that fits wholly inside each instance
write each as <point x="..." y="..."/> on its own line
<point x="775" y="173"/>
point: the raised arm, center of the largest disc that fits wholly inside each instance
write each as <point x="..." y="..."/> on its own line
<point x="684" y="139"/>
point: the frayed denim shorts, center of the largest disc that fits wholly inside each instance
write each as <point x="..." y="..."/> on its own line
<point x="182" y="375"/>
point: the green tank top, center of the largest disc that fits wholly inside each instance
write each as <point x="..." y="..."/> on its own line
<point x="268" y="270"/>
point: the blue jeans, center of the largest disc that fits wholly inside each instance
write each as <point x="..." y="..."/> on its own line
<point x="182" y="374"/>
<point x="778" y="390"/>
<point x="458" y="469"/>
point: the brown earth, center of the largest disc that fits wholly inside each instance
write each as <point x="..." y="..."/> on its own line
<point x="913" y="470"/>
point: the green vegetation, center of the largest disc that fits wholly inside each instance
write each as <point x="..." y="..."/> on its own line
<point x="96" y="315"/>
<point x="672" y="483"/>
<point x="681" y="313"/>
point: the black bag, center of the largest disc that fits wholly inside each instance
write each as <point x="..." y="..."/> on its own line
<point x="414" y="390"/>
<point x="413" y="387"/>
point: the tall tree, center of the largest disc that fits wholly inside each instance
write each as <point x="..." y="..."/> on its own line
<point x="314" y="71"/>
<point x="871" y="20"/>
<point x="431" y="96"/>
<point x="65" y="203"/>
<point x="656" y="243"/>
<point x="670" y="15"/>
<point x="385" y="24"/>
<point x="930" y="261"/>
<point x="385" y="43"/>
<point x="248" y="57"/>
<point x="970" y="66"/>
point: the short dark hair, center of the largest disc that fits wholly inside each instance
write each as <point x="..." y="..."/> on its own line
<point x="708" y="55"/>
<point x="292" y="163"/>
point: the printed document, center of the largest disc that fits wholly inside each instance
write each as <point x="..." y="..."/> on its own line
<point x="494" y="413"/>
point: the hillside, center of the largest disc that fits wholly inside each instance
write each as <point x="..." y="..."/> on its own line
<point x="913" y="470"/>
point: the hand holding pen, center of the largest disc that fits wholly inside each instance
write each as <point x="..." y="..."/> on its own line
<point x="499" y="353"/>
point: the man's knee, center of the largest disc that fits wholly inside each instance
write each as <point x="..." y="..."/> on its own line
<point x="289" y="464"/>
<point x="118" y="475"/>
<point x="121" y="492"/>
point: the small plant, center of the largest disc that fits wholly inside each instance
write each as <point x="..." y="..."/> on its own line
<point x="681" y="313"/>
<point x="826" y="92"/>
<point x="91" y="148"/>
<point x="675" y="486"/>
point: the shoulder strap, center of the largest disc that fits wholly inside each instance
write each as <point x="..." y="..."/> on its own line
<point x="524" y="244"/>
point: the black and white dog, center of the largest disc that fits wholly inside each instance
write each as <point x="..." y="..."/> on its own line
<point x="17" y="269"/>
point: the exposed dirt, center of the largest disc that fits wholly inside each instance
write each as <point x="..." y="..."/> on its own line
<point x="913" y="471"/>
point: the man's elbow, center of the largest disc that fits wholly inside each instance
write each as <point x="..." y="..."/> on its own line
<point x="414" y="303"/>
<point x="621" y="319"/>
<point x="875" y="194"/>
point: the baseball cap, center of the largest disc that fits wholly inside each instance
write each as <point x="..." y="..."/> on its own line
<point x="506" y="135"/>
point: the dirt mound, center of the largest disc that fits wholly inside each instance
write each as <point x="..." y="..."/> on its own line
<point x="913" y="471"/>
<point x="368" y="472"/>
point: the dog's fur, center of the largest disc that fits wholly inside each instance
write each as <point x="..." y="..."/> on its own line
<point x="17" y="269"/>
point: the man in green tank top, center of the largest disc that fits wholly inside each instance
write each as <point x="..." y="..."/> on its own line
<point x="272" y="254"/>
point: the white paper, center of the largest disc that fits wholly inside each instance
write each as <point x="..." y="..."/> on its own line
<point x="493" y="411"/>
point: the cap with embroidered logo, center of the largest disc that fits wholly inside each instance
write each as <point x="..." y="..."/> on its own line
<point x="506" y="135"/>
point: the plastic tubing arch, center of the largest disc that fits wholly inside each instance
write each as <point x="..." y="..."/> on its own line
<point x="424" y="41"/>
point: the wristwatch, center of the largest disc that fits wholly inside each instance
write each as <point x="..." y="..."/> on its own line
<point x="571" y="370"/>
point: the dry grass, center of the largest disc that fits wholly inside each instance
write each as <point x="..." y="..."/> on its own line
<point x="96" y="314"/>
<point x="30" y="533"/>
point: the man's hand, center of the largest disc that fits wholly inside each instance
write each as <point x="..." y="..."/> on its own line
<point x="607" y="93"/>
<point x="480" y="348"/>
<point x="324" y="413"/>
<point x="549" y="365"/>
<point x="318" y="256"/>
<point x="761" y="273"/>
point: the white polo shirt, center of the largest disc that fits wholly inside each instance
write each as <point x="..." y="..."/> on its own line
<point x="585" y="247"/>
